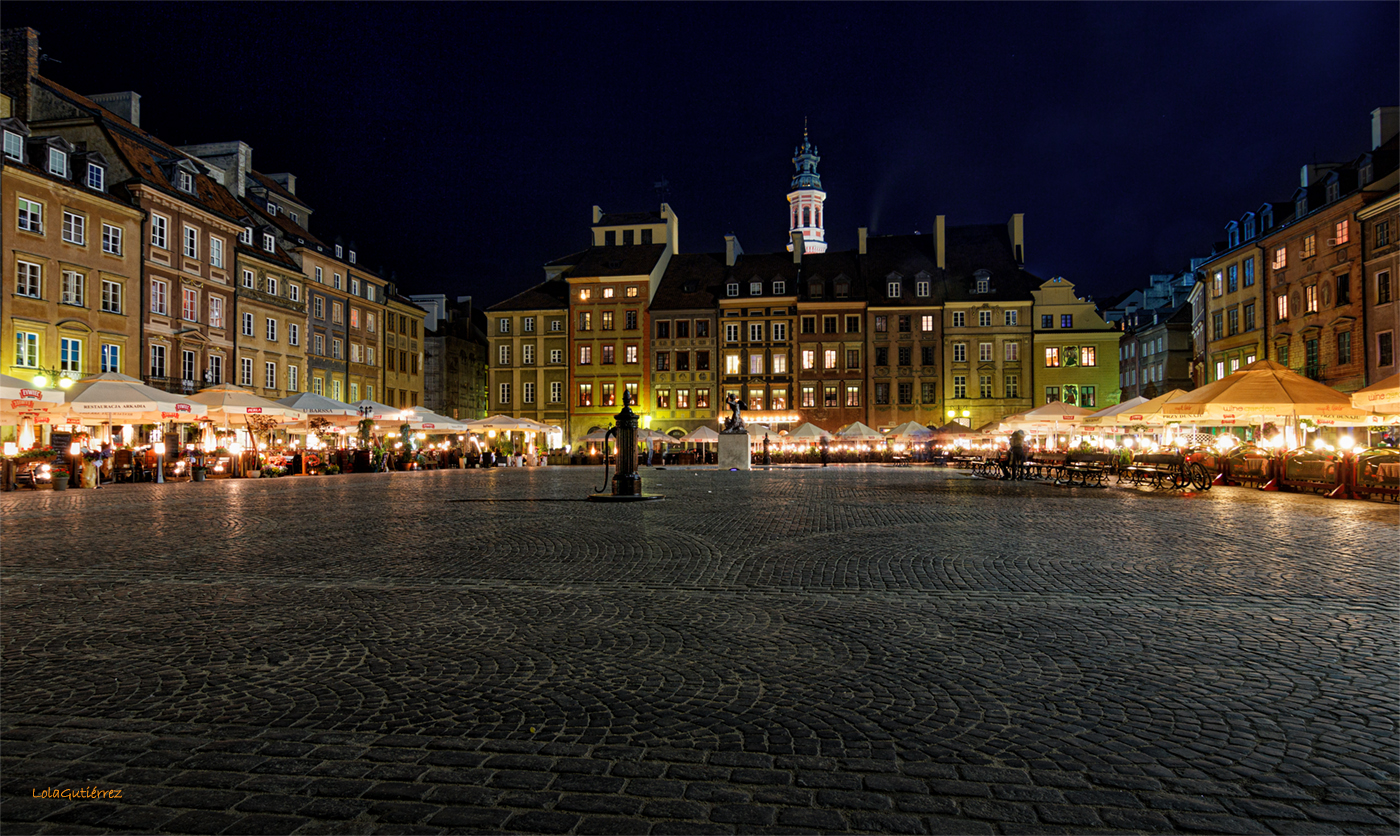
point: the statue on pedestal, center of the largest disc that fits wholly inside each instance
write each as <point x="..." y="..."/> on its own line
<point x="734" y="423"/>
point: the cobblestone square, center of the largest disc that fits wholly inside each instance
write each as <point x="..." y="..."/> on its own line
<point x="851" y="649"/>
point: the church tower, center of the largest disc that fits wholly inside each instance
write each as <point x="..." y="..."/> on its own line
<point x="806" y="198"/>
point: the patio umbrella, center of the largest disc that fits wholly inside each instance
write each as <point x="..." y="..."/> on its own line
<point x="910" y="432"/>
<point x="1104" y="417"/>
<point x="339" y="413"/>
<point x="111" y="396"/>
<point x="19" y="398"/>
<point x="1147" y="414"/>
<point x="809" y="432"/>
<point x="226" y="399"/>
<point x="420" y="419"/>
<point x="1383" y="396"/>
<point x="758" y="432"/>
<point x="1263" y="391"/>
<point x="703" y="435"/>
<point x="377" y="410"/>
<point x="1052" y="416"/>
<point x="857" y="431"/>
<point x="505" y="423"/>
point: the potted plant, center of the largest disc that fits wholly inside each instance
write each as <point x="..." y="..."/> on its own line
<point x="59" y="474"/>
<point x="198" y="472"/>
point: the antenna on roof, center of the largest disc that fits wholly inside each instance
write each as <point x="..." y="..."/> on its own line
<point x="48" y="57"/>
<point x="662" y="186"/>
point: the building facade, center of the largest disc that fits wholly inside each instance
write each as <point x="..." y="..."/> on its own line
<point x="72" y="271"/>
<point x="269" y="313"/>
<point x="1076" y="352"/>
<point x="1380" y="225"/>
<point x="403" y="351"/>
<point x="455" y="350"/>
<point x="683" y="321"/>
<point x="529" y="354"/>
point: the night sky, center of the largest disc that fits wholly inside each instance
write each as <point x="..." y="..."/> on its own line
<point x="463" y="145"/>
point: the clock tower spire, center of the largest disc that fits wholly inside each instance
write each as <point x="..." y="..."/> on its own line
<point x="805" y="201"/>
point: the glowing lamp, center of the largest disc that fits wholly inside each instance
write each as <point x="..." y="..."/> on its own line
<point x="236" y="448"/>
<point x="65" y="382"/>
<point x="11" y="448"/>
<point x="1346" y="442"/>
<point x="1319" y="444"/>
<point x="75" y="449"/>
<point x="40" y="380"/>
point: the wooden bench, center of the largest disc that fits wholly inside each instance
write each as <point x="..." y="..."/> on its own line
<point x="1084" y="469"/>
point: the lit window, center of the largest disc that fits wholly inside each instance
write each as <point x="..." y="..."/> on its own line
<point x="607" y="293"/>
<point x="1066" y="320"/>
<point x="1088" y="355"/>
<point x="926" y="323"/>
<point x="73" y="282"/>
<point x="58" y="162"/>
<point x="1309" y="248"/>
<point x="1280" y="258"/>
<point x="14" y="146"/>
<point x="1052" y="357"/>
<point x="1343" y="232"/>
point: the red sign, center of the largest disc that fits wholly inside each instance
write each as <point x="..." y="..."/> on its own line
<point x="254" y="410"/>
<point x="22" y="404"/>
<point x="1135" y="417"/>
<point x="182" y="407"/>
<point x="429" y="426"/>
<point x="31" y="393"/>
<point x="170" y="415"/>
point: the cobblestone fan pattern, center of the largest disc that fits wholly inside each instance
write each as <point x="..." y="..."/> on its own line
<point x="855" y="649"/>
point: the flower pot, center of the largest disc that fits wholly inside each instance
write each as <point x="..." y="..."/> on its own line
<point x="198" y="474"/>
<point x="60" y="482"/>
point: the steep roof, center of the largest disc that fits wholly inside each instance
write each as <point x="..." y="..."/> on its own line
<point x="275" y="187"/>
<point x="630" y="260"/>
<point x="144" y="155"/>
<point x="286" y="225"/>
<point x="826" y="268"/>
<point x="544" y="296"/>
<point x="689" y="282"/>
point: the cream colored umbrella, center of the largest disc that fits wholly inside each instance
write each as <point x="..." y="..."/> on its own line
<point x="1104" y="417"/>
<point x="702" y="435"/>
<point x="111" y="397"/>
<point x="377" y="410"/>
<point x="22" y="403"/>
<point x="421" y="419"/>
<point x="1148" y="414"/>
<point x="338" y="413"/>
<point x="856" y="431"/>
<point x="809" y="432"/>
<point x="228" y="400"/>
<point x="910" y="432"/>
<point x="1382" y="396"/>
<point x="1263" y="391"/>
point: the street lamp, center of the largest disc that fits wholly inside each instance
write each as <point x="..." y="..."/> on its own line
<point x="62" y="379"/>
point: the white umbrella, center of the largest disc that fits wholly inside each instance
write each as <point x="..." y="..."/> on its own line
<point x="758" y="432"/>
<point x="377" y="410"/>
<point x="809" y="432"/>
<point x="910" y="431"/>
<point x="703" y="435"/>
<point x="1051" y="416"/>
<point x="19" y="397"/>
<point x="857" y="431"/>
<point x="110" y="396"/>
<point x="420" y="419"/>
<point x="338" y="413"/>
<point x="226" y="399"/>
<point x="506" y="423"/>
<point x="1104" y="417"/>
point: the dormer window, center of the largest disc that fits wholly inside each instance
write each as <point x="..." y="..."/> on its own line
<point x="755" y="288"/>
<point x="185" y="182"/>
<point x="731" y="289"/>
<point x="58" y="163"/>
<point x="1363" y="177"/>
<point x="14" y="146"/>
<point x="1300" y="208"/>
<point x="778" y="288"/>
<point x="269" y="241"/>
<point x="1266" y="219"/>
<point x="96" y="178"/>
<point x="1249" y="227"/>
<point x="892" y="289"/>
<point x="815" y="290"/>
<point x="272" y="209"/>
<point x="1232" y="234"/>
<point x="1334" y="191"/>
<point x="246" y="236"/>
<point x="984" y="281"/>
<point x="339" y="253"/>
<point x="352" y="256"/>
<point x="843" y="288"/>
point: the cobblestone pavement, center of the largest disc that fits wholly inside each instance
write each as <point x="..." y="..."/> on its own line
<point x="855" y="649"/>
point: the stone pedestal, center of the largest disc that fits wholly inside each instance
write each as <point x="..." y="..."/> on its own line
<point x="734" y="451"/>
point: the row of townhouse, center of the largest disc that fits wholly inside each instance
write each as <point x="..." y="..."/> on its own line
<point x="184" y="267"/>
<point x="1310" y="281"/>
<point x="929" y="328"/>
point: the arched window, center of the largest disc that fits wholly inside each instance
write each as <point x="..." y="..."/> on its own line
<point x="806" y="216"/>
<point x="819" y="216"/>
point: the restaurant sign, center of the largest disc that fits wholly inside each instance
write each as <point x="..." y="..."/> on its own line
<point x="31" y="393"/>
<point x="429" y="426"/>
<point x="254" y="410"/>
<point x="182" y="407"/>
<point x="22" y="404"/>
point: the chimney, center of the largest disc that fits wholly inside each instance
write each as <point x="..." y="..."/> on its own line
<point x="597" y="214"/>
<point x="235" y="158"/>
<point x="940" y="242"/>
<point x="285" y="180"/>
<point x="861" y="233"/>
<point x="127" y="105"/>
<point x="1016" y="229"/>
<point x="797" y="247"/>
<point x="19" y="62"/>
<point x="1383" y="125"/>
<point x="732" y="250"/>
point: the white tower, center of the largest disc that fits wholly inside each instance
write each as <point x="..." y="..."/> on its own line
<point x="806" y="199"/>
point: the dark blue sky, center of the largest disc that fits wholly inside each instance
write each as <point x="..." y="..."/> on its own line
<point x="463" y="145"/>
